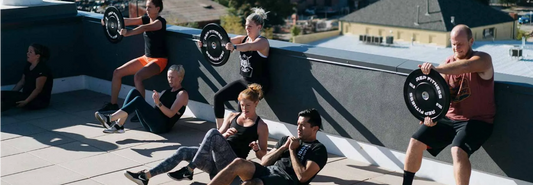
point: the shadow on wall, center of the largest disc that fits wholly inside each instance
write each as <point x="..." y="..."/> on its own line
<point x="511" y="143"/>
<point x="286" y="101"/>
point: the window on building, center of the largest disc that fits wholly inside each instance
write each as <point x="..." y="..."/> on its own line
<point x="488" y="33"/>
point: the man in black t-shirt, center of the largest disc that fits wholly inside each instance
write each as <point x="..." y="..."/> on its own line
<point x="294" y="161"/>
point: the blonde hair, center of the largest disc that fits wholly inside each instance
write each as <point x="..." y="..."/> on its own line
<point x="259" y="16"/>
<point x="179" y="69"/>
<point x="254" y="92"/>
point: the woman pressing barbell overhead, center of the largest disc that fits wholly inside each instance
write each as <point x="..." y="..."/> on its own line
<point x="153" y="62"/>
<point x="254" y="50"/>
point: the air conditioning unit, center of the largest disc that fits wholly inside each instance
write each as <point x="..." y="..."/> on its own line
<point x="378" y="40"/>
<point x="369" y="39"/>
<point x="515" y="52"/>
<point x="389" y="40"/>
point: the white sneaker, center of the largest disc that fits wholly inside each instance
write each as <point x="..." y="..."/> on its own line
<point x="114" y="129"/>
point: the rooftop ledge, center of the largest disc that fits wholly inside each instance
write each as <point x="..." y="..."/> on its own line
<point x="358" y="94"/>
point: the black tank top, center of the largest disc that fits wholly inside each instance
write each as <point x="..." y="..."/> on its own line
<point x="154" y="41"/>
<point x="245" y="135"/>
<point x="253" y="66"/>
<point x="168" y="99"/>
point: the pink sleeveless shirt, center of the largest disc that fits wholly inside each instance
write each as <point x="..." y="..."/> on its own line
<point x="472" y="97"/>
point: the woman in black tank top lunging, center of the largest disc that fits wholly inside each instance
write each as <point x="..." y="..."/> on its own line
<point x="254" y="50"/>
<point x="169" y="107"/>
<point x="154" y="61"/>
<point x="240" y="132"/>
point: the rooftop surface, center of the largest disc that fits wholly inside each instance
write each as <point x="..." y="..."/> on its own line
<point x="433" y="15"/>
<point x="499" y="51"/>
<point x="64" y="144"/>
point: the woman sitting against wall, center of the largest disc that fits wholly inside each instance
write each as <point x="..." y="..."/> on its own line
<point x="36" y="82"/>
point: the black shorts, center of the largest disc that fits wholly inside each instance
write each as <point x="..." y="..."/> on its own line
<point x="273" y="175"/>
<point x="467" y="135"/>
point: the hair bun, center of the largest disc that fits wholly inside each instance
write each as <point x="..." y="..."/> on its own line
<point x="260" y="12"/>
<point x="256" y="88"/>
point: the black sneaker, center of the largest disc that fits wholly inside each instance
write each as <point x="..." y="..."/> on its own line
<point x="103" y="119"/>
<point x="135" y="118"/>
<point x="181" y="174"/>
<point x="136" y="177"/>
<point x="109" y="107"/>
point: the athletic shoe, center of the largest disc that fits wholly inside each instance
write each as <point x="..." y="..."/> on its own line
<point x="103" y="119"/>
<point x="115" y="129"/>
<point x="109" y="107"/>
<point x="136" y="177"/>
<point x="181" y="174"/>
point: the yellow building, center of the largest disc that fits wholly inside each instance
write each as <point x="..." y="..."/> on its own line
<point x="428" y="21"/>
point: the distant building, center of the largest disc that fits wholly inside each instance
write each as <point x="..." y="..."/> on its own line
<point x="431" y="22"/>
<point x="187" y="11"/>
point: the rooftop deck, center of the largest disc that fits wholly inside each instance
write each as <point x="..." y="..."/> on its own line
<point x="499" y="51"/>
<point x="64" y="144"/>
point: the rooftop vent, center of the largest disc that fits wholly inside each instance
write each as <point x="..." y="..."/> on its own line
<point x="452" y="20"/>
<point x="206" y="6"/>
<point x="427" y="7"/>
<point x="417" y="11"/>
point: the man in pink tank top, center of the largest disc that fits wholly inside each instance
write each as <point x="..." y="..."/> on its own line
<point x="469" y="121"/>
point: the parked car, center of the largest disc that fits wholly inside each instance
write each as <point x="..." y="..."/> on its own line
<point x="524" y="19"/>
<point x="310" y="11"/>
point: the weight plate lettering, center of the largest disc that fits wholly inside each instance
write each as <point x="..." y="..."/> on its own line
<point x="214" y="39"/>
<point x="113" y="23"/>
<point x="426" y="95"/>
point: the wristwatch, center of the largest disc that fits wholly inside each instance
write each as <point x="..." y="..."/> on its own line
<point x="159" y="104"/>
<point x="234" y="47"/>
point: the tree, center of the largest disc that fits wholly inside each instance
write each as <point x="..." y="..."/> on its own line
<point x="485" y="2"/>
<point x="507" y="2"/>
<point x="232" y="24"/>
<point x="279" y="10"/>
<point x="223" y="2"/>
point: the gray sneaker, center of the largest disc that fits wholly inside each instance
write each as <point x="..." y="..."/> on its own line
<point x="114" y="129"/>
<point x="103" y="119"/>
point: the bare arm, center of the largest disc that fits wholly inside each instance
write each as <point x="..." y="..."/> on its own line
<point x="38" y="88"/>
<point x="133" y="21"/>
<point x="273" y="155"/>
<point x="304" y="173"/>
<point x="237" y="39"/>
<point x="226" y="123"/>
<point x="182" y="98"/>
<point x="262" y="131"/>
<point x="259" y="44"/>
<point x="479" y="63"/>
<point x="19" y="85"/>
<point x="129" y="21"/>
<point x="153" y="26"/>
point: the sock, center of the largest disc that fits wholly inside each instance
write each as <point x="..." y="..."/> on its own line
<point x="189" y="169"/>
<point x="118" y="127"/>
<point x="408" y="177"/>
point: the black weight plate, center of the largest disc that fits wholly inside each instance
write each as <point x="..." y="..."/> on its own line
<point x="426" y="95"/>
<point x="214" y="39"/>
<point x="113" y="23"/>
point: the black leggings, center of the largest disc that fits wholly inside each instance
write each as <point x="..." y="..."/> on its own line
<point x="149" y="117"/>
<point x="227" y="93"/>
<point x="231" y="92"/>
<point x="10" y="99"/>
